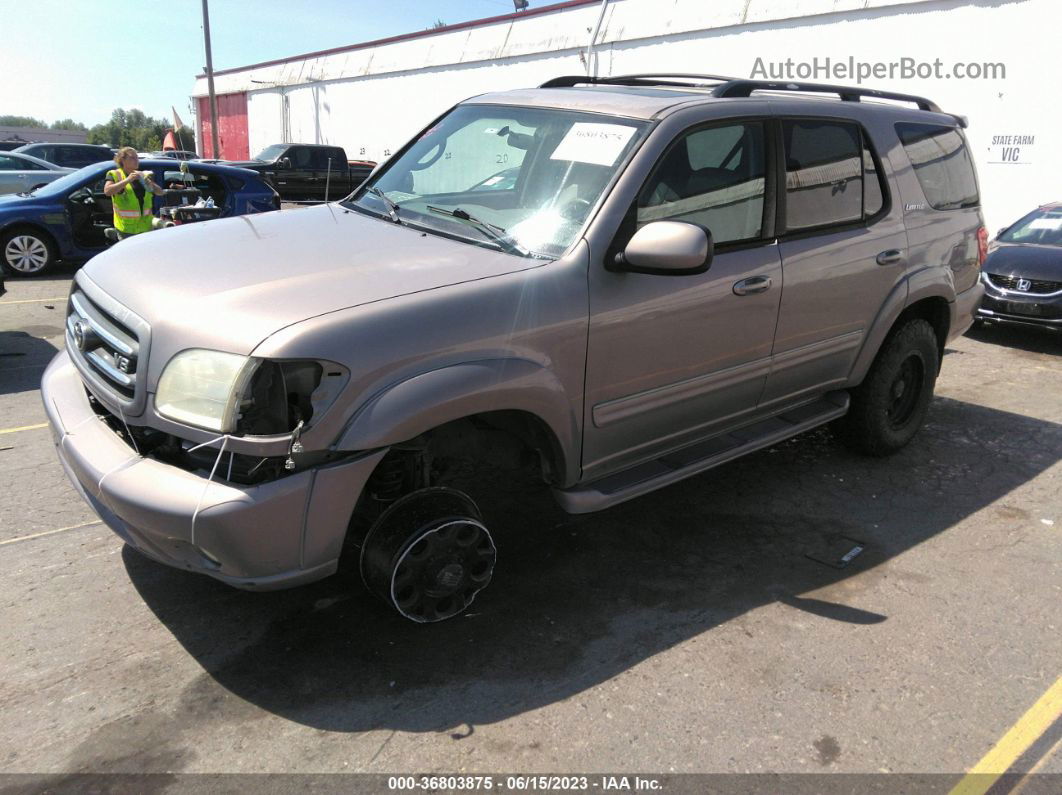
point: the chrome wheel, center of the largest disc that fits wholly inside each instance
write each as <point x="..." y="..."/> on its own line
<point x="26" y="254"/>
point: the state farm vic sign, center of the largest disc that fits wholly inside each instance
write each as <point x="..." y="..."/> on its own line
<point x="1012" y="149"/>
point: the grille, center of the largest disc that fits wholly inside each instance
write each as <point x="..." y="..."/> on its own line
<point x="104" y="346"/>
<point x="1037" y="286"/>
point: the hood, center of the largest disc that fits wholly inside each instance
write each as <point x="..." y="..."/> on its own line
<point x="1033" y="262"/>
<point x="11" y="202"/>
<point x="230" y="283"/>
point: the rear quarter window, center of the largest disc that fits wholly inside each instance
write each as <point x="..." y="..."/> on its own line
<point x="941" y="161"/>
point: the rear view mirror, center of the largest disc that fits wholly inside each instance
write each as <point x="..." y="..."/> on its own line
<point x="667" y="248"/>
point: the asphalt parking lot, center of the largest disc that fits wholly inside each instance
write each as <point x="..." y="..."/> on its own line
<point x="689" y="631"/>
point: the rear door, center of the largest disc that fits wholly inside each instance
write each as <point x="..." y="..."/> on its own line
<point x="302" y="178"/>
<point x="843" y="248"/>
<point x="330" y="172"/>
<point x="670" y="357"/>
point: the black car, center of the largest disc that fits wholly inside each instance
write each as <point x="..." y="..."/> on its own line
<point x="68" y="155"/>
<point x="1023" y="272"/>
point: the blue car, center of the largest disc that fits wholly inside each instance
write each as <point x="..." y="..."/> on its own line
<point x="67" y="219"/>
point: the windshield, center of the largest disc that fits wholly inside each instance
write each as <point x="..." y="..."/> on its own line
<point x="1041" y="227"/>
<point x="271" y="153"/>
<point x="70" y="181"/>
<point x="522" y="180"/>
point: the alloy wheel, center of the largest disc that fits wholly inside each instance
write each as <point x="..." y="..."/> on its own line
<point x="26" y="254"/>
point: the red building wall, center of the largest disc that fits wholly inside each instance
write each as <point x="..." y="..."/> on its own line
<point x="232" y="127"/>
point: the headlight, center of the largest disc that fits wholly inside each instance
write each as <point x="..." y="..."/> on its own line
<point x="228" y="393"/>
<point x="202" y="388"/>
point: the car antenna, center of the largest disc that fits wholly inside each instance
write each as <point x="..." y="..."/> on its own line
<point x="328" y="178"/>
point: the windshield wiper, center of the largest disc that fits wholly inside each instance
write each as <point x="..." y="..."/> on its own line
<point x="493" y="231"/>
<point x="392" y="207"/>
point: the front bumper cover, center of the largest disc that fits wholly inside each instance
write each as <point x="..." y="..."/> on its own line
<point x="264" y="537"/>
<point x="1027" y="309"/>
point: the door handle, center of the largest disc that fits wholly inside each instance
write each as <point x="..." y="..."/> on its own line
<point x="753" y="285"/>
<point x="890" y="257"/>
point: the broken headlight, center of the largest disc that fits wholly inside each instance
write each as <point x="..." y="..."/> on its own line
<point x="228" y="393"/>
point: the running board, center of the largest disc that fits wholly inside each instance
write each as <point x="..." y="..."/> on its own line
<point x="673" y="467"/>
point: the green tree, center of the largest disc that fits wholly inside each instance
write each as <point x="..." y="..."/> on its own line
<point x="68" y="124"/>
<point x="21" y="121"/>
<point x="130" y="128"/>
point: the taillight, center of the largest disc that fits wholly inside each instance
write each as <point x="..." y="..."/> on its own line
<point x="982" y="245"/>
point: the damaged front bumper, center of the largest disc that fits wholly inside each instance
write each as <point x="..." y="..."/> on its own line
<point x="263" y="537"/>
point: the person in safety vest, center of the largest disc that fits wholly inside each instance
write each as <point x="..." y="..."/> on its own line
<point x="131" y="194"/>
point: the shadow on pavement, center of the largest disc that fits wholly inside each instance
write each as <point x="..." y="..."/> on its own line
<point x="1026" y="338"/>
<point x="25" y="353"/>
<point x="578" y="600"/>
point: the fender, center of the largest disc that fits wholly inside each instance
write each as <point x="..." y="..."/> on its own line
<point x="415" y="406"/>
<point x="919" y="285"/>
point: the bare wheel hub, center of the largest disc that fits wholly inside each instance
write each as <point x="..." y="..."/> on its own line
<point x="428" y="555"/>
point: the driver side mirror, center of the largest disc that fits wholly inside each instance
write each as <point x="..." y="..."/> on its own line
<point x="284" y="162"/>
<point x="667" y="248"/>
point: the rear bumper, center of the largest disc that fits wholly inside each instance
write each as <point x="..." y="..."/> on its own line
<point x="274" y="535"/>
<point x="964" y="310"/>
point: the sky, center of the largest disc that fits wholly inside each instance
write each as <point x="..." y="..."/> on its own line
<point x="81" y="59"/>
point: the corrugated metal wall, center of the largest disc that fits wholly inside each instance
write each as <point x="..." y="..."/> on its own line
<point x="372" y="98"/>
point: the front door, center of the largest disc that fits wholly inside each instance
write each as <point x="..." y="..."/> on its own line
<point x="670" y="358"/>
<point x="90" y="212"/>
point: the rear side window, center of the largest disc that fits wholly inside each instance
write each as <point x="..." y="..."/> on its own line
<point x="942" y="164"/>
<point x="823" y="173"/>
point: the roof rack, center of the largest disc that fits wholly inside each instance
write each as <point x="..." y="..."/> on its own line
<point x="744" y="88"/>
<point x="740" y="87"/>
<point x="655" y="79"/>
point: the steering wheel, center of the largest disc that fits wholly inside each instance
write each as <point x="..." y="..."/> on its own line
<point x="575" y="210"/>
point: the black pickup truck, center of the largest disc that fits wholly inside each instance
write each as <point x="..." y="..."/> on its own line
<point x="304" y="172"/>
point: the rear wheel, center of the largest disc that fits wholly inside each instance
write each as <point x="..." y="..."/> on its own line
<point x="889" y="407"/>
<point x="428" y="554"/>
<point x="27" y="252"/>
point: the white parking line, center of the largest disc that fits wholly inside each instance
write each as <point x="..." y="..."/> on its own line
<point x="33" y="301"/>
<point x="49" y="532"/>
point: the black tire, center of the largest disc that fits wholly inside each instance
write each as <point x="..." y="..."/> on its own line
<point x="27" y="252"/>
<point x="889" y="407"/>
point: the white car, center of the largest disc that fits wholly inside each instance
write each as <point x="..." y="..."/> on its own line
<point x="21" y="173"/>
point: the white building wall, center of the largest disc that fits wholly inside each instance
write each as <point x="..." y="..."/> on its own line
<point x="371" y="100"/>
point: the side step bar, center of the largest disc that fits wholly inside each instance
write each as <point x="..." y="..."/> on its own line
<point x="700" y="456"/>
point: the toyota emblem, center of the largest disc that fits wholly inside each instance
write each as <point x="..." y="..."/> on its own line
<point x="1023" y="285"/>
<point x="79" y="335"/>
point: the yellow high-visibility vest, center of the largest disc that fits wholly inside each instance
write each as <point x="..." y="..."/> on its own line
<point x="129" y="217"/>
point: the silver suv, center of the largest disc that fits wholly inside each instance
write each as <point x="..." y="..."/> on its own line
<point x="634" y="278"/>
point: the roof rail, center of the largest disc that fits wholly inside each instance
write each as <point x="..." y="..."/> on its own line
<point x="744" y="88"/>
<point x="655" y="79"/>
<point x="741" y="87"/>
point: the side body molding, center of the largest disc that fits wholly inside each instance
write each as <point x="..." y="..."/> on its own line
<point x="417" y="405"/>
